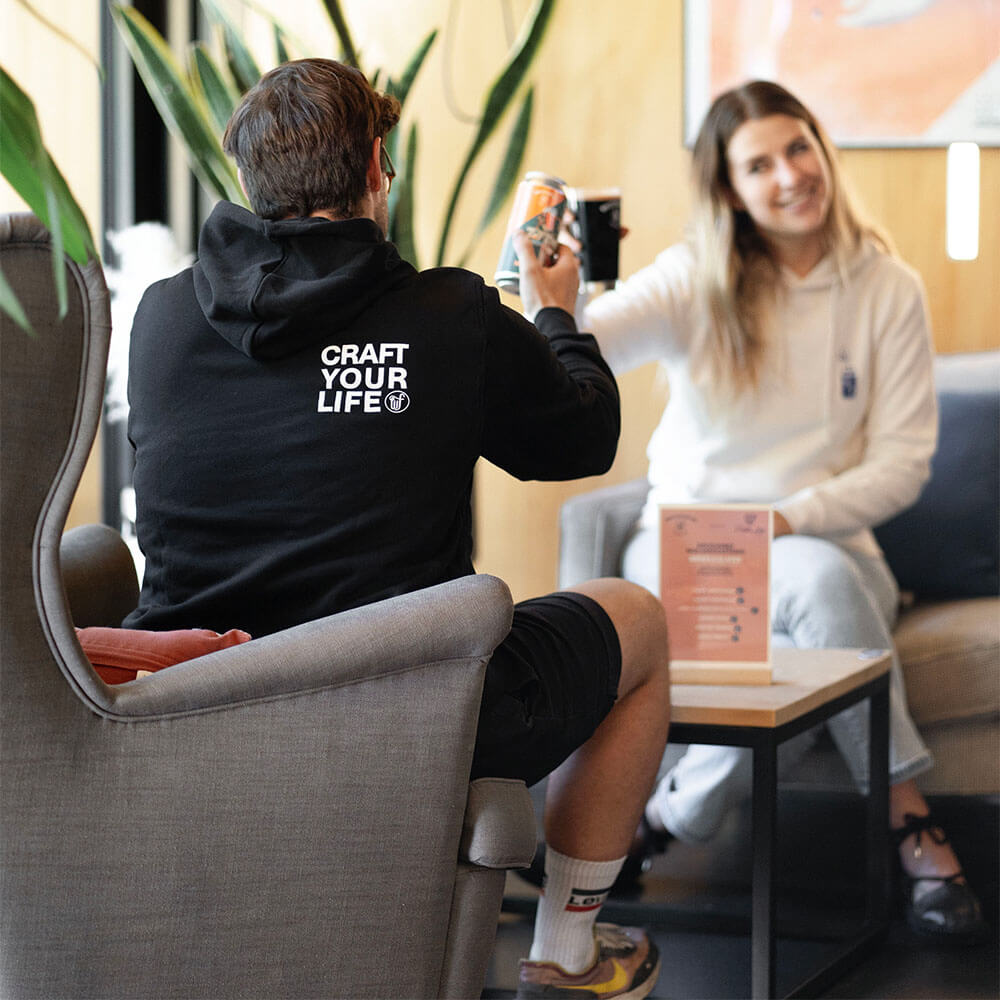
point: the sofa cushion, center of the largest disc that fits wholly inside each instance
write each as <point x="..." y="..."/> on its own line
<point x="966" y="758"/>
<point x="122" y="654"/>
<point x="948" y="543"/>
<point x="950" y="654"/>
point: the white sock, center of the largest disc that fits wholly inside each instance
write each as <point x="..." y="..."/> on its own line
<point x="567" y="910"/>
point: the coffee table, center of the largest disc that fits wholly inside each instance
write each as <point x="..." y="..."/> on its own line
<point x="809" y="686"/>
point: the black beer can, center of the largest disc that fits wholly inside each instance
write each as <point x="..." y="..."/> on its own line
<point x="539" y="203"/>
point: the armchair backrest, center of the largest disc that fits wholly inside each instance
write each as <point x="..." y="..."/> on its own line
<point x="52" y="395"/>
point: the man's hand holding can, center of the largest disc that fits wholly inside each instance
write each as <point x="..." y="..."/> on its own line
<point x="548" y="279"/>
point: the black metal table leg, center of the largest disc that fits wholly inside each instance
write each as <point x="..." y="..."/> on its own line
<point x="763" y="949"/>
<point x="877" y="860"/>
<point x="878" y="806"/>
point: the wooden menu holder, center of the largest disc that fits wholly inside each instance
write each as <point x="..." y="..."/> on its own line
<point x="715" y="568"/>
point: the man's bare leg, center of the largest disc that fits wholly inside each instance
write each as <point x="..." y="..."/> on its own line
<point x="595" y="800"/>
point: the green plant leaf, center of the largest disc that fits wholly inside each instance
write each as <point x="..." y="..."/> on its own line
<point x="220" y="95"/>
<point x="348" y="53"/>
<point x="242" y="64"/>
<point x="498" y="99"/>
<point x="401" y="208"/>
<point x="31" y="171"/>
<point x="400" y="89"/>
<point x="509" y="173"/>
<point x="12" y="307"/>
<point x="280" y="48"/>
<point x="177" y="104"/>
<point x="285" y="41"/>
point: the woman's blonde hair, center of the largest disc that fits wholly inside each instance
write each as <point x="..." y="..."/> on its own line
<point x="736" y="275"/>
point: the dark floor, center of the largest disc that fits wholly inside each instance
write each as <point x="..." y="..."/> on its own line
<point x="695" y="903"/>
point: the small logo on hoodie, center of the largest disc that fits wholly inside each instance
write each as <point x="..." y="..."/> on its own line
<point x="848" y="383"/>
<point x="363" y="378"/>
<point x="848" y="378"/>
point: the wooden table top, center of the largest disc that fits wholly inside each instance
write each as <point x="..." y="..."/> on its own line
<point x="803" y="680"/>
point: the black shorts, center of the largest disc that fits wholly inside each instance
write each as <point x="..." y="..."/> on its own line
<point x="548" y="686"/>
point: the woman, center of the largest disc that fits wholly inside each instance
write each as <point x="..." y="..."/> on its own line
<point x="798" y="355"/>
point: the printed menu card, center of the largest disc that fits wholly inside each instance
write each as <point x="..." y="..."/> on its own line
<point x="715" y="567"/>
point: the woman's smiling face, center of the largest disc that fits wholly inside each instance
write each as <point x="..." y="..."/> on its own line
<point x="780" y="178"/>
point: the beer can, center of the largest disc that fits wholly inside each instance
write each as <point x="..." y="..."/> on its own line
<point x="539" y="203"/>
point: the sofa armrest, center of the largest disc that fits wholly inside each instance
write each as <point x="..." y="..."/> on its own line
<point x="99" y="575"/>
<point x="950" y="654"/>
<point x="593" y="529"/>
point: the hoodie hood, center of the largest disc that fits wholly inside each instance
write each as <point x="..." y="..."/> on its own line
<point x="271" y="288"/>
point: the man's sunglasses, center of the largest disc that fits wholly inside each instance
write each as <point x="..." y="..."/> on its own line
<point x="387" y="167"/>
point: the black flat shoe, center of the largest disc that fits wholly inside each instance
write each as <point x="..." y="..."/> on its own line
<point x="950" y="912"/>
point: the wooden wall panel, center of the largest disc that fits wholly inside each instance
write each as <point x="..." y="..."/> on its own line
<point x="903" y="189"/>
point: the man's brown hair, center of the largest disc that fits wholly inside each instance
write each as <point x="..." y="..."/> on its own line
<point x="302" y="137"/>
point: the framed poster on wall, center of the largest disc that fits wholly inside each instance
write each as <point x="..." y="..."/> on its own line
<point x="877" y="73"/>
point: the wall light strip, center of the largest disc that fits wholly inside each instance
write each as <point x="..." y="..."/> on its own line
<point x="962" y="205"/>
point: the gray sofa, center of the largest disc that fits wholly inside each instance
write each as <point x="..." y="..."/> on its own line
<point x="291" y="817"/>
<point x="944" y="552"/>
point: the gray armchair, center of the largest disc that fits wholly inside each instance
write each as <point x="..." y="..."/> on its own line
<point x="287" y="818"/>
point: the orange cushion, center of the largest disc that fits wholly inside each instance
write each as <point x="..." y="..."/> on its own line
<point x="122" y="654"/>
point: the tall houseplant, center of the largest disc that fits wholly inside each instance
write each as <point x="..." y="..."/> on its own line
<point x="195" y="101"/>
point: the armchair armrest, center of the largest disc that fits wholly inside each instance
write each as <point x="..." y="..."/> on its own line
<point x="467" y="617"/>
<point x="499" y="826"/>
<point x="99" y="575"/>
<point x="593" y="529"/>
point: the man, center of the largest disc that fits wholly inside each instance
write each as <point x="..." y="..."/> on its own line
<point x="307" y="410"/>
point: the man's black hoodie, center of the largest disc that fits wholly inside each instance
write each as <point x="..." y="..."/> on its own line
<point x="307" y="410"/>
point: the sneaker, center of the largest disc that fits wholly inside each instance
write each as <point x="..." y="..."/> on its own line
<point x="627" y="967"/>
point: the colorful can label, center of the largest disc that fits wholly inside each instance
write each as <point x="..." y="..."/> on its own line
<point x="539" y="203"/>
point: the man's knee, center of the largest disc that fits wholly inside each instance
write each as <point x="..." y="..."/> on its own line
<point x="627" y="603"/>
<point x="640" y="622"/>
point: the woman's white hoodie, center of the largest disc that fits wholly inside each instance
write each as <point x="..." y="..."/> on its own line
<point x="839" y="435"/>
